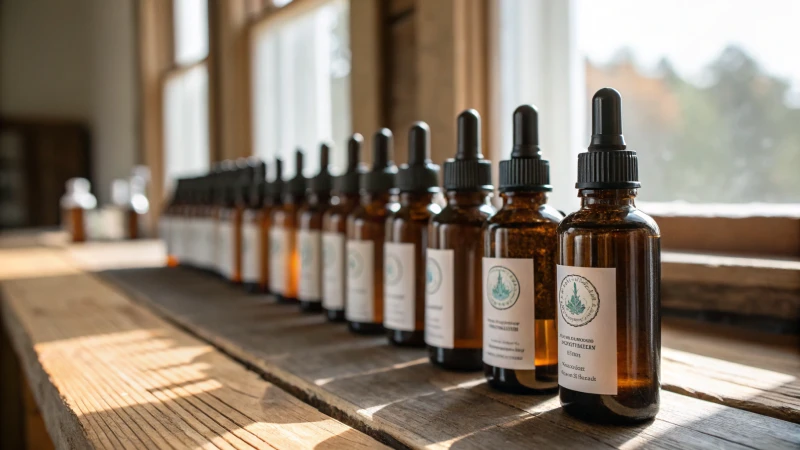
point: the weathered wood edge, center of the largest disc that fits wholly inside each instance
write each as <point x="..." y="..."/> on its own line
<point x="330" y="404"/>
<point x="63" y="425"/>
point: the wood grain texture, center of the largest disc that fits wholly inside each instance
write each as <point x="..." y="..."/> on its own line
<point x="395" y="393"/>
<point x="108" y="373"/>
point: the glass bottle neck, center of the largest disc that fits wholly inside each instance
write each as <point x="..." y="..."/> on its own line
<point x="526" y="200"/>
<point x="416" y="198"/>
<point x="375" y="198"/>
<point x="468" y="198"/>
<point x="607" y="198"/>
<point x="316" y="198"/>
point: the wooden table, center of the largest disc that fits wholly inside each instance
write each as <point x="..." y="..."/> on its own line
<point x="106" y="371"/>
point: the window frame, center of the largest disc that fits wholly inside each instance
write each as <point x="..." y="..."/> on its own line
<point x="750" y="231"/>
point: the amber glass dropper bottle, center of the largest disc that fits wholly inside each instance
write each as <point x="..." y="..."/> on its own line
<point x="366" y="230"/>
<point x="407" y="242"/>
<point x="229" y="228"/>
<point x="520" y="350"/>
<point x="254" y="231"/>
<point x="273" y="201"/>
<point x="286" y="265"/>
<point x="334" y="232"/>
<point x="608" y="278"/>
<point x="453" y="317"/>
<point x="309" y="234"/>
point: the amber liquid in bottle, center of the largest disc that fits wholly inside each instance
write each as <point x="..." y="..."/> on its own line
<point x="284" y="218"/>
<point x="75" y="223"/>
<point x="310" y="219"/>
<point x="459" y="227"/>
<point x="609" y="231"/>
<point x="409" y="225"/>
<point x="334" y="228"/>
<point x="368" y="223"/>
<point x="525" y="227"/>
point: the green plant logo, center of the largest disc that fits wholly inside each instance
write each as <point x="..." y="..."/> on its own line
<point x="275" y="246"/>
<point x="393" y="269"/>
<point x="433" y="276"/>
<point x="355" y="264"/>
<point x="502" y="287"/>
<point x="578" y="300"/>
<point x="328" y="254"/>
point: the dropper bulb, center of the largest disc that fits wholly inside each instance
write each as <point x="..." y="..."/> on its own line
<point x="354" y="151"/>
<point x="469" y="136"/>
<point x="419" y="144"/>
<point x="324" y="155"/>
<point x="382" y="149"/>
<point x="278" y="169"/>
<point x="298" y="162"/>
<point x="526" y="132"/>
<point x="607" y="121"/>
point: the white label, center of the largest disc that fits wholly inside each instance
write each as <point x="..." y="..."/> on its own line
<point x="333" y="270"/>
<point x="163" y="233"/>
<point x="508" y="313"/>
<point x="439" y="311"/>
<point x="399" y="291"/>
<point x="278" y="258"/>
<point x="309" y="243"/>
<point x="204" y="243"/>
<point x="225" y="248"/>
<point x="587" y="329"/>
<point x="251" y="253"/>
<point x="177" y="228"/>
<point x="360" y="286"/>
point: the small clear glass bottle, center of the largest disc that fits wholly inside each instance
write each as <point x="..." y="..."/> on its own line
<point x="74" y="203"/>
<point x="309" y="235"/>
<point x="169" y="225"/>
<point x="285" y="257"/>
<point x="520" y="350"/>
<point x="407" y="242"/>
<point x="334" y="232"/>
<point x="608" y="279"/>
<point x="453" y="314"/>
<point x="366" y="231"/>
<point x="273" y="201"/>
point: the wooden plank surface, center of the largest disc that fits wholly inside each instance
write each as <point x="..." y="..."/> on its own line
<point x="108" y="373"/>
<point x="395" y="392"/>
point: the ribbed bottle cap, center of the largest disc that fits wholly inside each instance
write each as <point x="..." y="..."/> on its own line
<point x="468" y="171"/>
<point x="297" y="185"/>
<point x="323" y="181"/>
<point x="526" y="170"/>
<point x="275" y="187"/>
<point x="347" y="183"/>
<point x="607" y="165"/>
<point x="420" y="174"/>
<point x="381" y="177"/>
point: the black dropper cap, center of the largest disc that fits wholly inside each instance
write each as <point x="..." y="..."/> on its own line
<point x="323" y="181"/>
<point x="275" y="187"/>
<point x="297" y="185"/>
<point x="381" y="177"/>
<point x="468" y="171"/>
<point x="607" y="164"/>
<point x="347" y="183"/>
<point x="256" y="184"/>
<point x="526" y="170"/>
<point x="420" y="174"/>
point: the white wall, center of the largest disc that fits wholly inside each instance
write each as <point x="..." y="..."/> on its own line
<point x="75" y="59"/>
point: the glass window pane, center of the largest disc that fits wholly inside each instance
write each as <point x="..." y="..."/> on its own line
<point x="711" y="93"/>
<point x="186" y="133"/>
<point x="301" y="84"/>
<point x="191" y="30"/>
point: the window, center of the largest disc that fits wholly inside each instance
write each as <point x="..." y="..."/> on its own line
<point x="301" y="85"/>
<point x="186" y="114"/>
<point x="711" y="94"/>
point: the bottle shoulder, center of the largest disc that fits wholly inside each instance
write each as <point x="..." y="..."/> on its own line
<point x="545" y="215"/>
<point x="467" y="215"/>
<point x="618" y="219"/>
<point x="415" y="213"/>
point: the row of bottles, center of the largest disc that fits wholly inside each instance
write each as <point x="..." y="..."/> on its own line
<point x="538" y="301"/>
